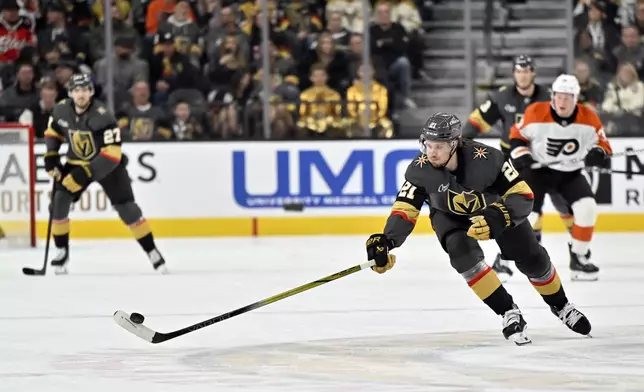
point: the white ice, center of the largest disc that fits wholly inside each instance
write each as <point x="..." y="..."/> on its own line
<point x="416" y="328"/>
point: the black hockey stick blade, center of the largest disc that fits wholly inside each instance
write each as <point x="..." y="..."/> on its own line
<point x="123" y="319"/>
<point x="43" y="270"/>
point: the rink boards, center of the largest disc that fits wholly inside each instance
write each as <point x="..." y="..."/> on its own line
<point x="242" y="188"/>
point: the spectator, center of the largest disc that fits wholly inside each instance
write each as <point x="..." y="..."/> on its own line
<point x="282" y="106"/>
<point x="128" y="69"/>
<point x="140" y="120"/>
<point x="171" y="70"/>
<point x="591" y="90"/>
<point x="253" y="28"/>
<point x="378" y="123"/>
<point x="120" y="28"/>
<point x="231" y="61"/>
<point x="39" y="113"/>
<point x="625" y="95"/>
<point x="639" y="18"/>
<point x="8" y="72"/>
<point x="301" y="20"/>
<point x="631" y="50"/>
<point x="405" y="13"/>
<point x="185" y="125"/>
<point x="283" y="64"/>
<point x="158" y="11"/>
<point x="216" y="36"/>
<point x="355" y="60"/>
<point x="22" y="94"/>
<point x="122" y="6"/>
<point x="67" y="39"/>
<point x="599" y="59"/>
<point x="15" y="32"/>
<point x="351" y="11"/>
<point x="227" y="106"/>
<point x="320" y="107"/>
<point x="335" y="63"/>
<point x="340" y="34"/>
<point x="188" y="39"/>
<point x="389" y="41"/>
<point x="62" y="73"/>
<point x="604" y="35"/>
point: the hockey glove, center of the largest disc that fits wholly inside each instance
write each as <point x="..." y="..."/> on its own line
<point x="378" y="246"/>
<point x="490" y="223"/>
<point x="77" y="179"/>
<point x="53" y="166"/>
<point x="525" y="161"/>
<point x="596" y="157"/>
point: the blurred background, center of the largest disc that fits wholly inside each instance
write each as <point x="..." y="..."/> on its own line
<point x="208" y="69"/>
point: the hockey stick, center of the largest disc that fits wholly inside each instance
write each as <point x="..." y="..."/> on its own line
<point x="131" y="324"/>
<point x="616" y="155"/>
<point x="43" y="270"/>
<point x="602" y="170"/>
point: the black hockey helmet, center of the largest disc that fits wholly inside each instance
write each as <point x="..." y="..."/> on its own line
<point x="441" y="127"/>
<point x="523" y="61"/>
<point x="79" y="80"/>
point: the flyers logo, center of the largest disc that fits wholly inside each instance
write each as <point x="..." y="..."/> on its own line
<point x="464" y="203"/>
<point x="555" y="147"/>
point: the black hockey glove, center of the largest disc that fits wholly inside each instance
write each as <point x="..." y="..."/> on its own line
<point x="525" y="161"/>
<point x="77" y="179"/>
<point x="53" y="166"/>
<point x="378" y="246"/>
<point x="490" y="222"/>
<point x="596" y="157"/>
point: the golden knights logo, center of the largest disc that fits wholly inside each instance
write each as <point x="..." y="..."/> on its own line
<point x="464" y="203"/>
<point x="82" y="144"/>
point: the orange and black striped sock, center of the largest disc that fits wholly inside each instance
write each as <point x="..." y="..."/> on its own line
<point x="486" y="284"/>
<point x="550" y="287"/>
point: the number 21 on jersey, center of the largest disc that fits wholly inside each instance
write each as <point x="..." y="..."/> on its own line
<point x="509" y="171"/>
<point x="407" y="191"/>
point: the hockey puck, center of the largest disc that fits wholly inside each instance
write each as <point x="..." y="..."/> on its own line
<point x="298" y="207"/>
<point x="137" y="318"/>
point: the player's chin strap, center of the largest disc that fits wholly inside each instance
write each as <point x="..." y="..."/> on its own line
<point x="616" y="155"/>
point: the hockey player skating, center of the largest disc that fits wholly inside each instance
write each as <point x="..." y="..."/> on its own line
<point x="507" y="106"/>
<point x="94" y="154"/>
<point x="571" y="133"/>
<point x="474" y="195"/>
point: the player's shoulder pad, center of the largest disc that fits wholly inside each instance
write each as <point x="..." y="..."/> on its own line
<point x="62" y="108"/>
<point x="588" y="116"/>
<point x="420" y="171"/>
<point x="536" y="112"/>
<point x="101" y="116"/>
<point x="480" y="151"/>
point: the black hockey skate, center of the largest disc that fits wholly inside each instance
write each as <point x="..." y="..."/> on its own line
<point x="572" y="318"/>
<point x="581" y="268"/>
<point x="502" y="268"/>
<point x="158" y="262"/>
<point x="514" y="327"/>
<point x="60" y="261"/>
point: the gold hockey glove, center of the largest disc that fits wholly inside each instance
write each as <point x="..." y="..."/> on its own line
<point x="378" y="246"/>
<point x="77" y="179"/>
<point x="490" y="223"/>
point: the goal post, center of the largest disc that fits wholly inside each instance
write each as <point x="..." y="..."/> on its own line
<point x="17" y="185"/>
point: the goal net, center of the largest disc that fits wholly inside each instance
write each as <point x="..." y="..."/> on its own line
<point x="17" y="185"/>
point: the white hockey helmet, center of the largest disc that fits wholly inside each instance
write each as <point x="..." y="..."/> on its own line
<point x="567" y="84"/>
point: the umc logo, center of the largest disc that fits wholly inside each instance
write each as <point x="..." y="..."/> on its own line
<point x="296" y="182"/>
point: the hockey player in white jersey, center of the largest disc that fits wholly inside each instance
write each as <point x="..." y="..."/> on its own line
<point x="561" y="137"/>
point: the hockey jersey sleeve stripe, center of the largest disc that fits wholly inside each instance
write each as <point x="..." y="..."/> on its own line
<point x="113" y="153"/>
<point x="406" y="211"/>
<point x="53" y="134"/>
<point x="521" y="188"/>
<point x="519" y="152"/>
<point x="515" y="134"/>
<point x="476" y="119"/>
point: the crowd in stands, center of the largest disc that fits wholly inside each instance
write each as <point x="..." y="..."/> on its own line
<point x="609" y="45"/>
<point x="192" y="69"/>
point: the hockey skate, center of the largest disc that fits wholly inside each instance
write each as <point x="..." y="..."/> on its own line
<point x="581" y="268"/>
<point x="502" y="268"/>
<point x="60" y="261"/>
<point x="572" y="318"/>
<point x="158" y="262"/>
<point x="514" y="327"/>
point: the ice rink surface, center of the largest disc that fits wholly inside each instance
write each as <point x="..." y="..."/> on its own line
<point x="416" y="328"/>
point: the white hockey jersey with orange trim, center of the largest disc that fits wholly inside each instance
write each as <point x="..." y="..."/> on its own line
<point x="549" y="141"/>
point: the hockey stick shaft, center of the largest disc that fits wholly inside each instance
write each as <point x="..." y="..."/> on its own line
<point x="123" y="319"/>
<point x="43" y="270"/>
<point x="616" y="155"/>
<point x="611" y="171"/>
